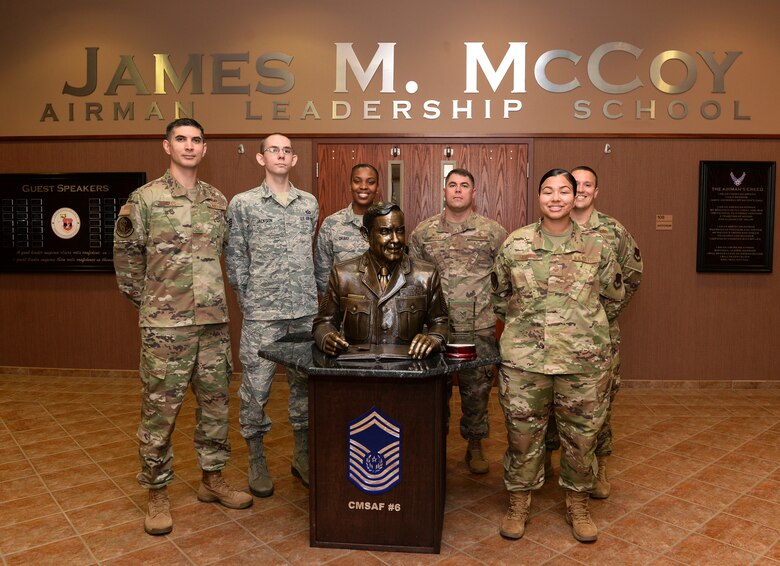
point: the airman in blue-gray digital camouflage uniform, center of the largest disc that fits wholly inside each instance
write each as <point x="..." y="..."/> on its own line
<point x="168" y="241"/>
<point x="270" y="266"/>
<point x="339" y="238"/>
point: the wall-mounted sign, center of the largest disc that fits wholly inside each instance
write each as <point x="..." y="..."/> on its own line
<point x="736" y="216"/>
<point x="663" y="222"/>
<point x="507" y="76"/>
<point x="61" y="222"/>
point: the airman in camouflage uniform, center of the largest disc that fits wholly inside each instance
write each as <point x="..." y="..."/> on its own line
<point x="463" y="245"/>
<point x="556" y="286"/>
<point x="630" y="259"/>
<point x="167" y="245"/>
<point x="339" y="237"/>
<point x="270" y="266"/>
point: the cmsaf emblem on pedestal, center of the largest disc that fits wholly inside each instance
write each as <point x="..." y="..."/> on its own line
<point x="374" y="452"/>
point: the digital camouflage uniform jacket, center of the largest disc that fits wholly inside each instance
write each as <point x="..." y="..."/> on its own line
<point x="269" y="253"/>
<point x="556" y="303"/>
<point x="628" y="256"/>
<point x="166" y="254"/>
<point x="339" y="239"/>
<point x="464" y="254"/>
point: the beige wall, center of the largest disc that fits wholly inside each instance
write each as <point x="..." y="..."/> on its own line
<point x="44" y="45"/>
<point x="682" y="325"/>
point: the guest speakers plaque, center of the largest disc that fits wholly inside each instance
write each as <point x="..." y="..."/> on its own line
<point x="61" y="222"/>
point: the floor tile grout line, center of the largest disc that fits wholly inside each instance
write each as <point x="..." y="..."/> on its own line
<point x="51" y="494"/>
<point x="644" y="426"/>
<point x="719" y="511"/>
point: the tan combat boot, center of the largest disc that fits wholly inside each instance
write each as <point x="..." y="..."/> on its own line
<point x="475" y="458"/>
<point x="513" y="523"/>
<point x="300" y="463"/>
<point x="213" y="488"/>
<point x="260" y="482"/>
<point x="602" y="489"/>
<point x="548" y="465"/>
<point x="158" y="519"/>
<point x="578" y="516"/>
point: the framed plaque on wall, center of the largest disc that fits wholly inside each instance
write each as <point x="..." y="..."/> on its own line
<point x="736" y="216"/>
<point x="61" y="222"/>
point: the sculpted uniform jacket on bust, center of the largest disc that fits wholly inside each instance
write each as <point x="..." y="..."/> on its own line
<point x="413" y="299"/>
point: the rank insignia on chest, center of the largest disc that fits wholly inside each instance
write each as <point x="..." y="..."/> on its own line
<point x="374" y="452"/>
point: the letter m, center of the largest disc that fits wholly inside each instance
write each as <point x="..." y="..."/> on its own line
<point x="515" y="56"/>
<point x="345" y="55"/>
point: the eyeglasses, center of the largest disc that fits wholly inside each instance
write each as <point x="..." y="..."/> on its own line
<point x="275" y="150"/>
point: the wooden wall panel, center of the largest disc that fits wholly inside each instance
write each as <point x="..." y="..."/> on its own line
<point x="499" y="170"/>
<point x="682" y="324"/>
<point x="335" y="164"/>
<point x="500" y="177"/>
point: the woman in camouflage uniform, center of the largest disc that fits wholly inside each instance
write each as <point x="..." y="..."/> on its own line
<point x="555" y="285"/>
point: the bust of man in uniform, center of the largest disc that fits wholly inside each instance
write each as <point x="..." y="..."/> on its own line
<point x="382" y="296"/>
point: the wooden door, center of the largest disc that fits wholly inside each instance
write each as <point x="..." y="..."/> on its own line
<point x="500" y="171"/>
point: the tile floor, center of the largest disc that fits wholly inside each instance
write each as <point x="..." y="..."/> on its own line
<point x="695" y="475"/>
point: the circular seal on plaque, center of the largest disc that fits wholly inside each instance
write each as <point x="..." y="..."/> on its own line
<point x="65" y="223"/>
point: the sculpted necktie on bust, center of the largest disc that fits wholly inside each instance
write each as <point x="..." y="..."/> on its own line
<point x="384" y="277"/>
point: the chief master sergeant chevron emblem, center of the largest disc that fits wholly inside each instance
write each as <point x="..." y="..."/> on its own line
<point x="374" y="452"/>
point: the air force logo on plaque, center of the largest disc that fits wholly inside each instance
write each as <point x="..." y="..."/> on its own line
<point x="374" y="452"/>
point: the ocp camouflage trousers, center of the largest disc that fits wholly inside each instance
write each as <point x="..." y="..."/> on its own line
<point x="172" y="359"/>
<point x="604" y="442"/>
<point x="474" y="385"/>
<point x="580" y="403"/>
<point x="259" y="376"/>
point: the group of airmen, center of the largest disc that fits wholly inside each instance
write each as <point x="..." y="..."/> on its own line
<point x="557" y="286"/>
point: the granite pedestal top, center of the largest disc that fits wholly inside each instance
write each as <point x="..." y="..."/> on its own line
<point x="299" y="351"/>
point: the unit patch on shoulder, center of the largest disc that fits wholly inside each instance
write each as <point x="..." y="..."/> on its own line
<point x="618" y="280"/>
<point x="124" y="226"/>
<point x="637" y="255"/>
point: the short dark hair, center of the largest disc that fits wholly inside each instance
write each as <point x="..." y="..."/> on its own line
<point x="183" y="122"/>
<point x="462" y="172"/>
<point x="366" y="166"/>
<point x="589" y="170"/>
<point x="376" y="210"/>
<point x="554" y="173"/>
<point x="262" y="142"/>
